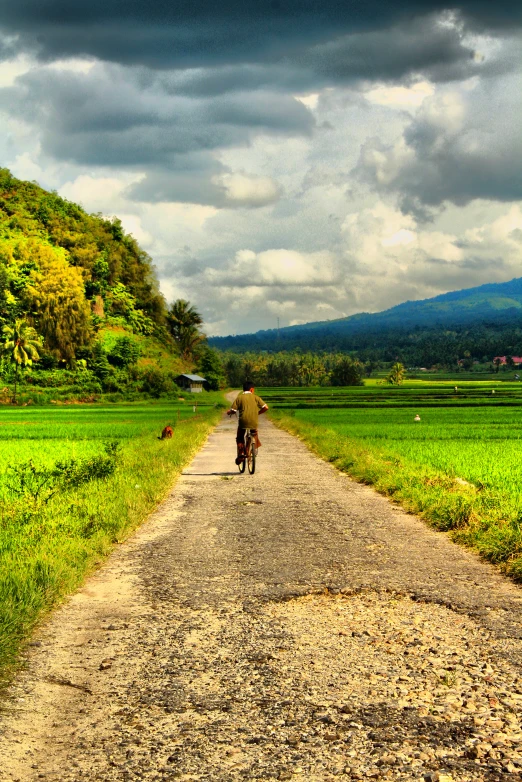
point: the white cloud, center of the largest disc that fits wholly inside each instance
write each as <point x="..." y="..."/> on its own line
<point x="25" y="167"/>
<point x="445" y="110"/>
<point x="310" y="101"/>
<point x="383" y="238"/>
<point x="99" y="193"/>
<point x="133" y="225"/>
<point x="154" y="225"/>
<point x="73" y="64"/>
<point x="398" y="96"/>
<point x="248" y="190"/>
<point x="280" y="268"/>
<point x="385" y="164"/>
<point x="506" y="229"/>
<point x="400" y="237"/>
<point x="11" y="69"/>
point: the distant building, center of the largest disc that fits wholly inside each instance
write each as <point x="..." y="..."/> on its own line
<point x="192" y="383"/>
<point x="503" y="360"/>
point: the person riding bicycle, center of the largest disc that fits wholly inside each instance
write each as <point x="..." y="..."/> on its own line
<point x="249" y="406"/>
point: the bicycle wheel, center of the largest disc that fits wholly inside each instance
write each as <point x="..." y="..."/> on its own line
<point x="242" y="465"/>
<point x="251" y="454"/>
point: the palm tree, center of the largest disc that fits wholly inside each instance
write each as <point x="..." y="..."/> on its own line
<point x="397" y="374"/>
<point x="183" y="320"/>
<point x="21" y="347"/>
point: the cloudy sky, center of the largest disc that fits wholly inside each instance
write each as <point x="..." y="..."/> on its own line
<point x="291" y="159"/>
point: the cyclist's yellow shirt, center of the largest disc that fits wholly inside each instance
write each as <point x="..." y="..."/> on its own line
<point x="248" y="405"/>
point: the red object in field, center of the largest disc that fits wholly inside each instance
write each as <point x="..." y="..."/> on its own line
<point x="167" y="433"/>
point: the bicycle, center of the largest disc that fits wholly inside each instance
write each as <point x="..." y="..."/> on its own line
<point x="250" y="452"/>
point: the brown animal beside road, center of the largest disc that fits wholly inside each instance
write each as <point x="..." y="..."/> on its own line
<point x="166" y="433"/>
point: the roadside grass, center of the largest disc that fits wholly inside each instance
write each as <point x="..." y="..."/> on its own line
<point x="47" y="548"/>
<point x="459" y="467"/>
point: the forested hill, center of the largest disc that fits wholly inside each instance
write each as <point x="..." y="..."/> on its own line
<point x="483" y="320"/>
<point x="59" y="265"/>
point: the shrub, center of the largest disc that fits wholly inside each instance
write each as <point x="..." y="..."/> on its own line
<point x="99" y="362"/>
<point x="154" y="382"/>
<point x="347" y="372"/>
<point x="34" y="485"/>
<point x="48" y="361"/>
<point x="124" y="352"/>
<point x="211" y="367"/>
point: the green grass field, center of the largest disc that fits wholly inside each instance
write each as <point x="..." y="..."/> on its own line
<point x="411" y="394"/>
<point x="47" y="547"/>
<point x="460" y="466"/>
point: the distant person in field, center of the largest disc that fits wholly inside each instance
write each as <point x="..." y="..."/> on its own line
<point x="249" y="406"/>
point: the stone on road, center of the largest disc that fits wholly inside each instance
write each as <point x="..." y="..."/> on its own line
<point x="287" y="625"/>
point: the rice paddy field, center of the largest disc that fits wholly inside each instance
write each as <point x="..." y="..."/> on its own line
<point x="459" y="466"/>
<point x="75" y="480"/>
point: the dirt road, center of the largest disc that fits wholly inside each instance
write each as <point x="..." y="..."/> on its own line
<point x="287" y="625"/>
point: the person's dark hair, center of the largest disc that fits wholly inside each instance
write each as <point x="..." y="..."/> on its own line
<point x="247" y="385"/>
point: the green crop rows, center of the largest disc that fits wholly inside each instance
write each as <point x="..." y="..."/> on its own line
<point x="411" y="394"/>
<point x="460" y="466"/>
<point x="53" y="531"/>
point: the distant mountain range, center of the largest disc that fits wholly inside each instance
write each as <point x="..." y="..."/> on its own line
<point x="495" y="305"/>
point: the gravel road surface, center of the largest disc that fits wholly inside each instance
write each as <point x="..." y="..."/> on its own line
<point x="287" y="625"/>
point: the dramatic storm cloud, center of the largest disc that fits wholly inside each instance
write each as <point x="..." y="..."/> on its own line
<point x="166" y="33"/>
<point x="294" y="159"/>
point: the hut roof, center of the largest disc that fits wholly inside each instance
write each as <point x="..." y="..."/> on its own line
<point x="194" y="378"/>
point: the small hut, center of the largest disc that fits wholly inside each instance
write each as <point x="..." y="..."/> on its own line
<point x="192" y="383"/>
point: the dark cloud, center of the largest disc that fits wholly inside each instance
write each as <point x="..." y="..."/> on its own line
<point x="188" y="186"/>
<point x="170" y="33"/>
<point x="422" y="46"/>
<point x="189" y="81"/>
<point x="106" y="117"/>
<point x="203" y="180"/>
<point x="8" y="47"/>
<point x="114" y="118"/>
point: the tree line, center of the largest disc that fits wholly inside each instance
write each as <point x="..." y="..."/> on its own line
<point x="435" y="347"/>
<point x="293" y="369"/>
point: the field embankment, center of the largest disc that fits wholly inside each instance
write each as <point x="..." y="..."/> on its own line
<point x="68" y="494"/>
<point x="459" y="466"/>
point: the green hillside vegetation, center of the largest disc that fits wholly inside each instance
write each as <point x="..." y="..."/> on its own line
<point x="58" y="262"/>
<point x="101" y="328"/>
